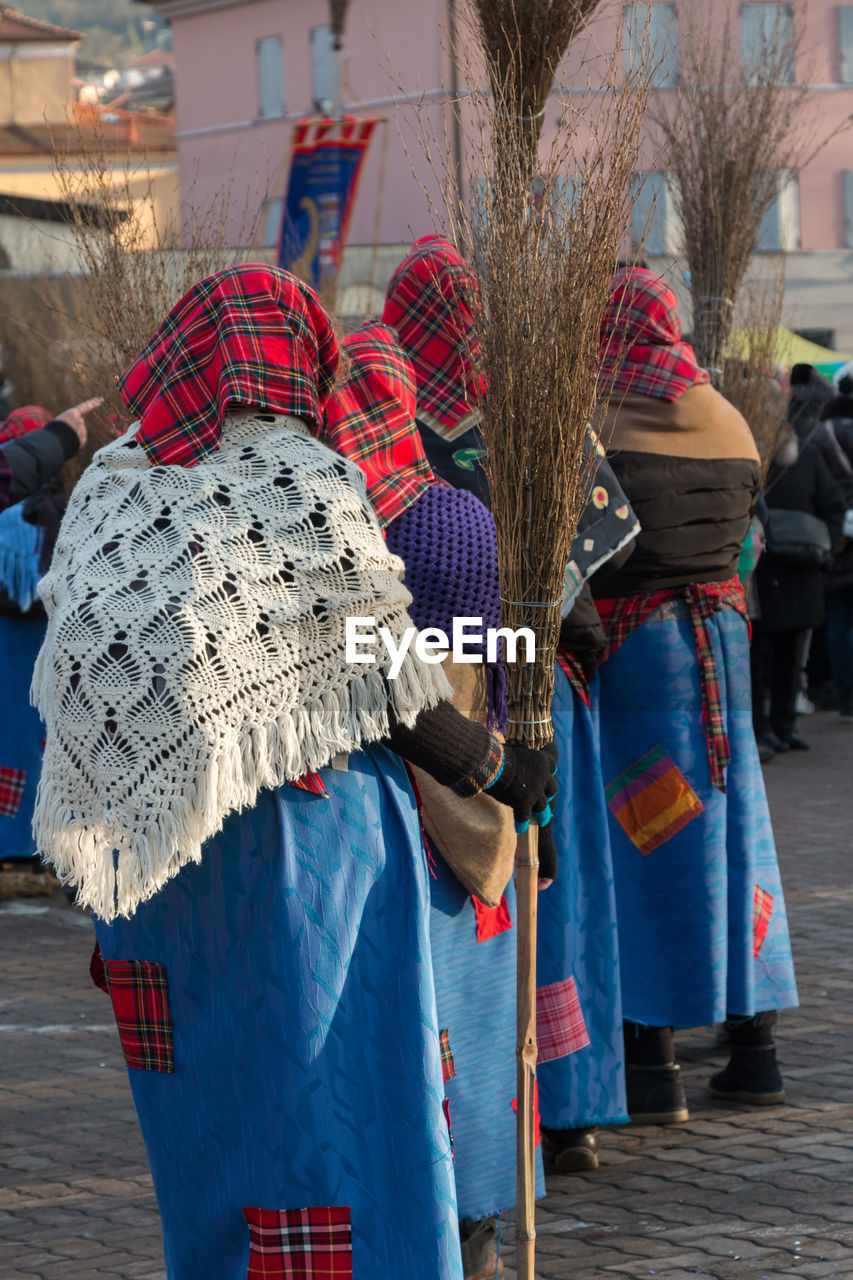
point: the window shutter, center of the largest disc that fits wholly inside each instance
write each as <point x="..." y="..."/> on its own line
<point x="845" y="43"/>
<point x="848" y="209"/>
<point x="270" y="56"/>
<point x="324" y="68"/>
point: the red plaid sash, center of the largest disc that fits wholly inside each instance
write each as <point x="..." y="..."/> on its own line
<point x="370" y="419"/>
<point x="11" y="790"/>
<point x="140" y="997"/>
<point x="572" y="668"/>
<point x="299" y="1244"/>
<point x="622" y="617"/>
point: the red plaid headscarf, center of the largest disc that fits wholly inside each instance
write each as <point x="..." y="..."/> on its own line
<point x="429" y="304"/>
<point x="370" y="419"/>
<point x="641" y="347"/>
<point x="251" y="335"/>
<point x="20" y="422"/>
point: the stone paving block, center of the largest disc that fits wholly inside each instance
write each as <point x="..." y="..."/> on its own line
<point x="693" y="1259"/>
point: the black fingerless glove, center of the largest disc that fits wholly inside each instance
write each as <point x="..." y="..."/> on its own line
<point x="526" y="782"/>
<point x="547" y="853"/>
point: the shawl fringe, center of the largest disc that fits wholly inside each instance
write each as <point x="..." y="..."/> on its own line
<point x="115" y="871"/>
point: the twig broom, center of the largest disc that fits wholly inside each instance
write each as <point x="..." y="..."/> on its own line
<point x="739" y="128"/>
<point x="544" y="264"/>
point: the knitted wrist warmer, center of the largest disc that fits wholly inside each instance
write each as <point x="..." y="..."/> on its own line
<point x="456" y="751"/>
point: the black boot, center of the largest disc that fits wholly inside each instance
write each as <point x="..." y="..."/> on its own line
<point x="752" y="1073"/>
<point x="652" y="1076"/>
<point x="480" y="1260"/>
<point x="570" y="1150"/>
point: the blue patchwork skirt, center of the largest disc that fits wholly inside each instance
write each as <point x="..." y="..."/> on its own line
<point x="702" y="924"/>
<point x="475" y="994"/>
<point x="581" y="1067"/>
<point x="287" y="980"/>
<point x="21" y="733"/>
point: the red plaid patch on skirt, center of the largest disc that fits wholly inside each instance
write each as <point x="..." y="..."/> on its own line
<point x="560" y="1026"/>
<point x="11" y="791"/>
<point x="301" y="1244"/>
<point x="762" y="909"/>
<point x="448" y="1070"/>
<point x="140" y="997"/>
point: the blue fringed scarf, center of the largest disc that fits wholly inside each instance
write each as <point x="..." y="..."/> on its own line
<point x="20" y="555"/>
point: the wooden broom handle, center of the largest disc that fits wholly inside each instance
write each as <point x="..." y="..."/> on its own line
<point x="526" y="879"/>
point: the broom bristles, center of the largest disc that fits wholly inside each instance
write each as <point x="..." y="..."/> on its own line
<point x="545" y="261"/>
<point x="544" y="267"/>
<point x="734" y="129"/>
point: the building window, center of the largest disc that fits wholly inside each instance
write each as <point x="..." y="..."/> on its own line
<point x="270" y="54"/>
<point x="766" y="34"/>
<point x="565" y="198"/>
<point x="651" y="32"/>
<point x="324" y="69"/>
<point x="272" y="221"/>
<point x="562" y="202"/>
<point x="654" y="224"/>
<point x="780" y="227"/>
<point x="848" y="208"/>
<point x="845" y="43"/>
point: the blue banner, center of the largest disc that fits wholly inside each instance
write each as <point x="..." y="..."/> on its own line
<point x="324" y="172"/>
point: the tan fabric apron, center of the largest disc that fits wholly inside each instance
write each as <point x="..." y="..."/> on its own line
<point x="475" y="836"/>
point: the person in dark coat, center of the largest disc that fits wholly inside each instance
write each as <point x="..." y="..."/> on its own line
<point x="34" y="446"/>
<point x="28" y="460"/>
<point x="790" y="596"/>
<point x="810" y="391"/>
<point x="834" y="438"/>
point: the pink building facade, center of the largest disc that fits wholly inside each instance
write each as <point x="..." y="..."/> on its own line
<point x="247" y="69"/>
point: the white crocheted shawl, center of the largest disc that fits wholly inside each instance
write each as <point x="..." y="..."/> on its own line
<point x="195" y="648"/>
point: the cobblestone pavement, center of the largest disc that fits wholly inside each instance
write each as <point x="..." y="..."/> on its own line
<point x="732" y="1195"/>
